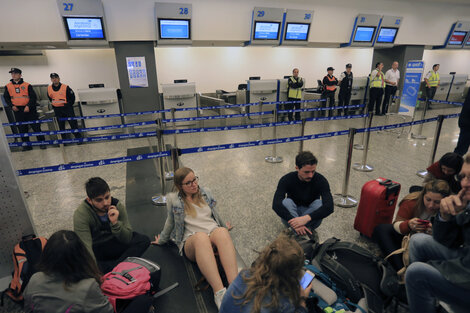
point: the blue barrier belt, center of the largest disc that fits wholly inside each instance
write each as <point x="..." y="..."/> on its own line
<point x="323" y="109"/>
<point x="73" y="166"/>
<point x="49" y="120"/>
<point x="216" y="117"/>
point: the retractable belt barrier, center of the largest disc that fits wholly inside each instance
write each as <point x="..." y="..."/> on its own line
<point x="323" y="109"/>
<point x="228" y="106"/>
<point x="139" y="157"/>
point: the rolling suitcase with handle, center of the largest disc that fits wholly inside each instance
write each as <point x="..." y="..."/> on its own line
<point x="377" y="205"/>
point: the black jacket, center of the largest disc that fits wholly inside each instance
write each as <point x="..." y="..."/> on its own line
<point x="464" y="119"/>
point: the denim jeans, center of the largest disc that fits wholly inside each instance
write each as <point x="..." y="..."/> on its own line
<point x="297" y="211"/>
<point x="425" y="284"/>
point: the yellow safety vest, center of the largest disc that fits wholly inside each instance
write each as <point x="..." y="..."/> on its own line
<point x="433" y="80"/>
<point x="295" y="93"/>
<point x="377" y="81"/>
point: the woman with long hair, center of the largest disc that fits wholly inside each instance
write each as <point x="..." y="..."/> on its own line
<point x="191" y="225"/>
<point x="272" y="284"/>
<point x="446" y="168"/>
<point x="68" y="279"/>
<point x="413" y="216"/>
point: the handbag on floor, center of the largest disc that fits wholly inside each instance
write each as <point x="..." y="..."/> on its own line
<point x="404" y="251"/>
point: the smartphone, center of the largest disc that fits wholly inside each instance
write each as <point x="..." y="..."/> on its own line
<point x="306" y="279"/>
<point x="425" y="222"/>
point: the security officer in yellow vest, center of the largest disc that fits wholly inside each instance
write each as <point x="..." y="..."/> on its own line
<point x="432" y="80"/>
<point x="20" y="96"/>
<point x="62" y="99"/>
<point x="376" y="88"/>
<point x="294" y="93"/>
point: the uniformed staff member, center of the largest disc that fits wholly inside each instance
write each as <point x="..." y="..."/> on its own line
<point x="20" y="96"/>
<point x="345" y="87"/>
<point x="62" y="99"/>
<point x="376" y="88"/>
<point x="294" y="93"/>
<point x="432" y="80"/>
<point x="329" y="88"/>
<point x="392" y="77"/>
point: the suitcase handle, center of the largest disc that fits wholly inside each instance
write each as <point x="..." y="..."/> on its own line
<point x="28" y="237"/>
<point x="387" y="182"/>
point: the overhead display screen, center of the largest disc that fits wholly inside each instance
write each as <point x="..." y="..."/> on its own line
<point x="84" y="28"/>
<point x="387" y="35"/>
<point x="174" y="29"/>
<point x="297" y="31"/>
<point x="457" y="38"/>
<point x="364" y="33"/>
<point x="266" y="30"/>
<point x="468" y="42"/>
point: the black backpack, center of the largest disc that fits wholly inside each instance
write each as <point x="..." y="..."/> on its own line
<point x="358" y="272"/>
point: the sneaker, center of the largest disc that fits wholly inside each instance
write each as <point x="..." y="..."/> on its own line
<point x="218" y="296"/>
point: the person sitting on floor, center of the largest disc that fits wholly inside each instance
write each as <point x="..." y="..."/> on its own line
<point x="101" y="223"/>
<point x="272" y="283"/>
<point x="446" y="168"/>
<point x="414" y="210"/>
<point x="303" y="197"/>
<point x="440" y="265"/>
<point x="191" y="225"/>
<point x="68" y="279"/>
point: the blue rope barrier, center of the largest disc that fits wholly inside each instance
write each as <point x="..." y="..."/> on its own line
<point x="49" y="120"/>
<point x="323" y="109"/>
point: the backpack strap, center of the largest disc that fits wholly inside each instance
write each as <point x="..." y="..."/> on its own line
<point x="164" y="291"/>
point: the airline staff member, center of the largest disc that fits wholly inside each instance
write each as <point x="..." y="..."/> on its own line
<point x="329" y="88"/>
<point x="345" y="87"/>
<point x="376" y="88"/>
<point x="62" y="99"/>
<point x="432" y="80"/>
<point x="20" y="96"/>
<point x="294" y="93"/>
<point x="392" y="77"/>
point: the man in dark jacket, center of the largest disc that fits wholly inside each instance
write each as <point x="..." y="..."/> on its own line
<point x="464" y="124"/>
<point x="345" y="87"/>
<point x="440" y="266"/>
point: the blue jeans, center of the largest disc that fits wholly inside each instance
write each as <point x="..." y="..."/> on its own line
<point x="297" y="211"/>
<point x="425" y="284"/>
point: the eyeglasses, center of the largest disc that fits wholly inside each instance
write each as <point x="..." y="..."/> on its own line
<point x="189" y="183"/>
<point x="461" y="177"/>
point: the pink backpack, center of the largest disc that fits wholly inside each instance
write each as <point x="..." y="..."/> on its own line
<point x="131" y="278"/>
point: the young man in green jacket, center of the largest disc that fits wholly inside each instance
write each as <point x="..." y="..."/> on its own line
<point x="101" y="223"/>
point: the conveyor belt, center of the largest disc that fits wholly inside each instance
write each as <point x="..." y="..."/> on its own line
<point x="142" y="183"/>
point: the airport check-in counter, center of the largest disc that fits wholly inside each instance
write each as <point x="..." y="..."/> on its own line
<point x="262" y="90"/>
<point x="100" y="101"/>
<point x="311" y="94"/>
<point x="180" y="95"/>
<point x="443" y="89"/>
<point x="210" y="100"/>
<point x="456" y="92"/>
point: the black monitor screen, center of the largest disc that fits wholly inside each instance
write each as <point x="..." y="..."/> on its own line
<point x="266" y="30"/>
<point x="174" y="29"/>
<point x="387" y="35"/>
<point x="84" y="28"/>
<point x="457" y="38"/>
<point x="364" y="33"/>
<point x="297" y="31"/>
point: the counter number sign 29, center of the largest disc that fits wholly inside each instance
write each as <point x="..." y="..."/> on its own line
<point x="67" y="6"/>
<point x="184" y="11"/>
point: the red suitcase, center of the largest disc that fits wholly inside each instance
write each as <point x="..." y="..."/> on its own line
<point x="377" y="205"/>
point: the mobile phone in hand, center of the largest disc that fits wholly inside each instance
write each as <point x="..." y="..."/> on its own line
<point x="424" y="222"/>
<point x="306" y="279"/>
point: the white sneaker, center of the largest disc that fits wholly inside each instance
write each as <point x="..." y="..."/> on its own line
<point x="218" y="296"/>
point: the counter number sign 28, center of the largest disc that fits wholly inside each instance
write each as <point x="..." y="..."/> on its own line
<point x="184" y="11"/>
<point x="68" y="6"/>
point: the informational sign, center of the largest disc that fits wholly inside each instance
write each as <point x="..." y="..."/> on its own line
<point x="85" y="28"/>
<point x="387" y="35"/>
<point x="137" y="72"/>
<point x="457" y="38"/>
<point x="364" y="34"/>
<point x="409" y="97"/>
<point x="297" y="31"/>
<point x="267" y="30"/>
<point x="174" y="29"/>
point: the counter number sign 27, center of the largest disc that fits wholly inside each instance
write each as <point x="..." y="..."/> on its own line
<point x="68" y="6"/>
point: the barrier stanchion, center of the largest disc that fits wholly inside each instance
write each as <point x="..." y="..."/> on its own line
<point x="364" y="167"/>
<point x="160" y="199"/>
<point x="61" y="145"/>
<point x="302" y="133"/>
<point x="342" y="199"/>
<point x="360" y="146"/>
<point x="175" y="153"/>
<point x="435" y="142"/>
<point x="420" y="127"/>
<point x="274" y="158"/>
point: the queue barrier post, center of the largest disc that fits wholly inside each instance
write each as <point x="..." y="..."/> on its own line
<point x="342" y="199"/>
<point x="302" y="133"/>
<point x="160" y="199"/>
<point x="62" y="146"/>
<point x="175" y="153"/>
<point x="420" y="127"/>
<point x="435" y="142"/>
<point x="360" y="146"/>
<point x="363" y="166"/>
<point x="274" y="158"/>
